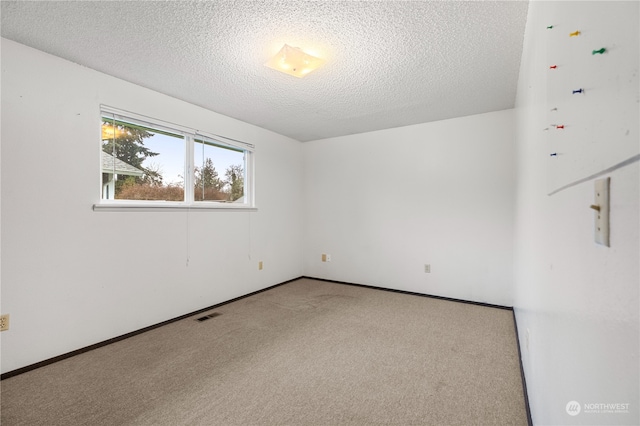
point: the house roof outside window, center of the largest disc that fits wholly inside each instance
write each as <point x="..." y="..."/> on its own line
<point x="111" y="164"/>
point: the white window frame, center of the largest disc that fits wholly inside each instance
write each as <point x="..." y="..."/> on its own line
<point x="190" y="135"/>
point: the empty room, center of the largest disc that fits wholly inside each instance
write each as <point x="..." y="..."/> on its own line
<point x="320" y="212"/>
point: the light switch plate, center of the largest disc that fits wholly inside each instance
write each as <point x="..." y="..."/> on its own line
<point x="601" y="205"/>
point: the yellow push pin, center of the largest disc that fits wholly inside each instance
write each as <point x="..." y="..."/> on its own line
<point x="574" y="34"/>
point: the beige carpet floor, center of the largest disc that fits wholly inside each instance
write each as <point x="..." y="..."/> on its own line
<point x="305" y="353"/>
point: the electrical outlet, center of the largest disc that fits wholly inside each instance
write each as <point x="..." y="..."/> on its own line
<point x="260" y="266"/>
<point x="4" y="322"/>
<point x="427" y="268"/>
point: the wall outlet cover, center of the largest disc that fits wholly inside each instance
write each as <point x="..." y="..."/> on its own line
<point x="4" y="322"/>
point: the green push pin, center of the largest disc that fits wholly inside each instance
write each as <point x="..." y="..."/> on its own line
<point x="550" y="27"/>
<point x="601" y="51"/>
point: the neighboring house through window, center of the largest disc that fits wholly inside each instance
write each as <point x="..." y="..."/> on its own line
<point x="112" y="167"/>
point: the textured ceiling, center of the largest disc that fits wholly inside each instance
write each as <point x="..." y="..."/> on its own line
<point x="389" y="63"/>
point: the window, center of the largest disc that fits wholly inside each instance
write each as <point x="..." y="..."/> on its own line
<point x="209" y="184"/>
<point x="146" y="162"/>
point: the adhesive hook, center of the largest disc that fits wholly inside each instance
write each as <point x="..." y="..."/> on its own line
<point x="574" y="34"/>
<point x="601" y="51"/>
<point x="578" y="91"/>
<point x="553" y="67"/>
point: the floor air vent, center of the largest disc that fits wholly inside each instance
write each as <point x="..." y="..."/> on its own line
<point x="206" y="317"/>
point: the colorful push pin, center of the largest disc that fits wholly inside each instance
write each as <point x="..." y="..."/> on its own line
<point x="550" y="27"/>
<point x="553" y="67"/>
<point x="578" y="91"/>
<point x="601" y="51"/>
<point x="560" y="126"/>
<point x="574" y="34"/>
<point x="554" y="154"/>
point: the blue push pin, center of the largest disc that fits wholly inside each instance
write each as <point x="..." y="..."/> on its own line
<point x="554" y="154"/>
<point x="578" y="91"/>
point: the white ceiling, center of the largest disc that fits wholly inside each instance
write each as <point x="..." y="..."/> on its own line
<point x="389" y="63"/>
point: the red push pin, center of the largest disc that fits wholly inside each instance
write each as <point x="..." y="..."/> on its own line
<point x="553" y="67"/>
<point x="560" y="126"/>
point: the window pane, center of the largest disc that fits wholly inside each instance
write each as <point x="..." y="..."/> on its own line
<point x="141" y="163"/>
<point x="219" y="172"/>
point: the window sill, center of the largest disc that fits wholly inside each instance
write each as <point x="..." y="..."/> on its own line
<point x="160" y="206"/>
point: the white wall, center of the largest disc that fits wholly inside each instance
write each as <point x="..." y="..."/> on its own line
<point x="72" y="277"/>
<point x="385" y="203"/>
<point x="576" y="302"/>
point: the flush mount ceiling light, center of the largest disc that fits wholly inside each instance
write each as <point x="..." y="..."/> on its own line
<point x="293" y="61"/>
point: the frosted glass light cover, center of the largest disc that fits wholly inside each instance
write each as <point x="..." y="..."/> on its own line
<point x="293" y="61"/>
